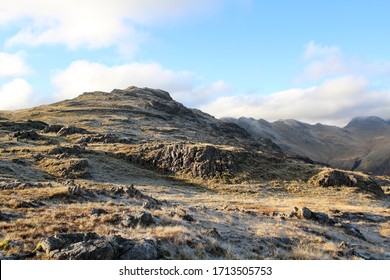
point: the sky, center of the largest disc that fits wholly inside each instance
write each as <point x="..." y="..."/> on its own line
<point x="315" y="61"/>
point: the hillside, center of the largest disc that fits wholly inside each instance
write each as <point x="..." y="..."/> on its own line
<point x="362" y="145"/>
<point x="133" y="174"/>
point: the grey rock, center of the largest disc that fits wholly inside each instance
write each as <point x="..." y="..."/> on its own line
<point x="64" y="131"/>
<point x="353" y="231"/>
<point x="130" y="221"/>
<point x="321" y="217"/>
<point x="103" y="138"/>
<point x="28" y="134"/>
<point x="59" y="241"/>
<point x="75" y="190"/>
<point x="203" y="161"/>
<point x="152" y="203"/>
<point x="52" y="128"/>
<point x="75" y="150"/>
<point x="133" y="192"/>
<point x="90" y="246"/>
<point x="214" y="233"/>
<point x="146" y="250"/>
<point x="94" y="249"/>
<point x="98" y="211"/>
<point x="303" y="213"/>
<point x="181" y="213"/>
<point x="145" y="219"/>
<point x="130" y="191"/>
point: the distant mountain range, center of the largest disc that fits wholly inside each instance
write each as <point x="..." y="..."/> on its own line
<point x="362" y="145"/>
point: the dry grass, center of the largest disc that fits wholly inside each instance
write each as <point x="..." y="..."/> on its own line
<point x="244" y="220"/>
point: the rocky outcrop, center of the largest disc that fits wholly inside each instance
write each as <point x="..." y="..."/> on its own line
<point x="305" y="213"/>
<point x="53" y="128"/>
<point x="73" y="168"/>
<point x="198" y="161"/>
<point x="68" y="130"/>
<point x="182" y="214"/>
<point x="103" y="138"/>
<point x="74" y="150"/>
<point x="26" y="135"/>
<point x="21" y="125"/>
<point x="338" y="178"/>
<point x="91" y="246"/>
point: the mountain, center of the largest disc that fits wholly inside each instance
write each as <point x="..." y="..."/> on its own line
<point x="362" y="145"/>
<point x="157" y="126"/>
<point x="143" y="114"/>
<point x="133" y="174"/>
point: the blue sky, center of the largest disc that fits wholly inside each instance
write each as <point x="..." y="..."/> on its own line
<point x="315" y="61"/>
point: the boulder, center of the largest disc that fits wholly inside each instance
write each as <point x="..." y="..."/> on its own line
<point x="98" y="211"/>
<point x="59" y="241"/>
<point x="322" y="218"/>
<point x="68" y="130"/>
<point x="27" y="134"/>
<point x="52" y="128"/>
<point x="97" y="249"/>
<point x="152" y="203"/>
<point x="181" y="213"/>
<point x="72" y="150"/>
<point x="91" y="246"/>
<point x="130" y="221"/>
<point x="130" y="191"/>
<point x="303" y="213"/>
<point x="307" y="214"/>
<point x="145" y="219"/>
<point x="145" y="250"/>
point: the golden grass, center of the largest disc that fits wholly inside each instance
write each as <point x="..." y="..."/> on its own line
<point x="242" y="217"/>
<point x="385" y="230"/>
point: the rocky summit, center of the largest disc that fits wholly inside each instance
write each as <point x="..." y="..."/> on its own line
<point x="134" y="174"/>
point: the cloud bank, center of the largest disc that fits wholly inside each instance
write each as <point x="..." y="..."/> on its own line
<point x="334" y="101"/>
<point x="344" y="89"/>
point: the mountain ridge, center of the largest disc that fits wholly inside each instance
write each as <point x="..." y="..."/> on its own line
<point x="360" y="145"/>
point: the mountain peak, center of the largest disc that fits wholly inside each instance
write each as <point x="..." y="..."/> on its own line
<point x="136" y="91"/>
<point x="131" y="91"/>
<point x="366" y="122"/>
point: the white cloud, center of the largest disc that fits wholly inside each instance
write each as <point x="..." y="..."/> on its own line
<point x="83" y="76"/>
<point x="314" y="50"/>
<point x="334" y="101"/>
<point x="196" y="96"/>
<point x="12" y="65"/>
<point x="91" y="23"/>
<point x="324" y="62"/>
<point x="15" y="95"/>
<point x="321" y="62"/>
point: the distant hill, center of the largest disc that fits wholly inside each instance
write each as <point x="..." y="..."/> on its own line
<point x="362" y="145"/>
